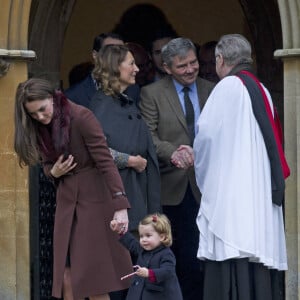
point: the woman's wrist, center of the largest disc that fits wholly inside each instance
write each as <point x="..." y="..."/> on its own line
<point x="52" y="173"/>
<point x="131" y="162"/>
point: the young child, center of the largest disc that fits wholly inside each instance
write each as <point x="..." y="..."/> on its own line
<point x="154" y="276"/>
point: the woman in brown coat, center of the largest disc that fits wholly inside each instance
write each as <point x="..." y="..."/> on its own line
<point x="67" y="139"/>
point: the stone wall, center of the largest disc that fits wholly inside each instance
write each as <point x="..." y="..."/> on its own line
<point x="14" y="206"/>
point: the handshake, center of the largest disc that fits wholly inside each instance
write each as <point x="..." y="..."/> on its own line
<point x="183" y="157"/>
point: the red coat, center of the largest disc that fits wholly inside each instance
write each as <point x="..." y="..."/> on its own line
<point x="85" y="206"/>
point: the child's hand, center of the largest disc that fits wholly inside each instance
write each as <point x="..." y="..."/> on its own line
<point x="143" y="272"/>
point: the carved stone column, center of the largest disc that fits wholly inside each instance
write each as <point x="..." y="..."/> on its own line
<point x="290" y="55"/>
<point x="292" y="150"/>
<point x="14" y="204"/>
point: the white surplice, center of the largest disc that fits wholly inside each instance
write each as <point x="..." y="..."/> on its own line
<point x="236" y="218"/>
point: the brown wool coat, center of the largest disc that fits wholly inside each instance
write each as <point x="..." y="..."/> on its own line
<point x="85" y="206"/>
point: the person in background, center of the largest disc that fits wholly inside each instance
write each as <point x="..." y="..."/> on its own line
<point x="207" y="62"/>
<point x="82" y="92"/>
<point x="171" y="107"/>
<point x="79" y="72"/>
<point x="68" y="141"/>
<point x="142" y="59"/>
<point x="155" y="275"/>
<point x="139" y="22"/>
<point x="240" y="169"/>
<point x="160" y="38"/>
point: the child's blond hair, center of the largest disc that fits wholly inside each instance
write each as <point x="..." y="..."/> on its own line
<point x="161" y="225"/>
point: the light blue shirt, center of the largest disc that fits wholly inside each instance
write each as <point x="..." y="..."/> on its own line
<point x="193" y="93"/>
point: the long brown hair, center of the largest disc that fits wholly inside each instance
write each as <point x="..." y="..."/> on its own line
<point x="33" y="138"/>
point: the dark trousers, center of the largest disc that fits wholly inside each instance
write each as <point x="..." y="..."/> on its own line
<point x="185" y="245"/>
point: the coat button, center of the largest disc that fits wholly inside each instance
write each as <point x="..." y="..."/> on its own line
<point x="130" y="117"/>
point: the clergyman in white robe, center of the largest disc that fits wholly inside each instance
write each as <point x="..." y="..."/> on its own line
<point x="237" y="218"/>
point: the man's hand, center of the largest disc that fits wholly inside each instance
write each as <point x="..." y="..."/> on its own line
<point x="183" y="157"/>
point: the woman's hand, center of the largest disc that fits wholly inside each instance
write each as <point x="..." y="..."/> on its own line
<point x="120" y="221"/>
<point x="62" y="167"/>
<point x="137" y="162"/>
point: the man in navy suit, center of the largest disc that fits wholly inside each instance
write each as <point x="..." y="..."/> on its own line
<point x="82" y="92"/>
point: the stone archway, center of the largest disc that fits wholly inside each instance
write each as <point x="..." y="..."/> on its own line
<point x="47" y="21"/>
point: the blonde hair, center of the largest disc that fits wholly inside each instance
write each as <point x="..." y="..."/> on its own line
<point x="161" y="225"/>
<point x="107" y="71"/>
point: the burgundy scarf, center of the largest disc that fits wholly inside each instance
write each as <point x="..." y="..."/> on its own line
<point x="54" y="138"/>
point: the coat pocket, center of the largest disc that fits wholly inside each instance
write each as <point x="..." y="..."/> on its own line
<point x="154" y="287"/>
